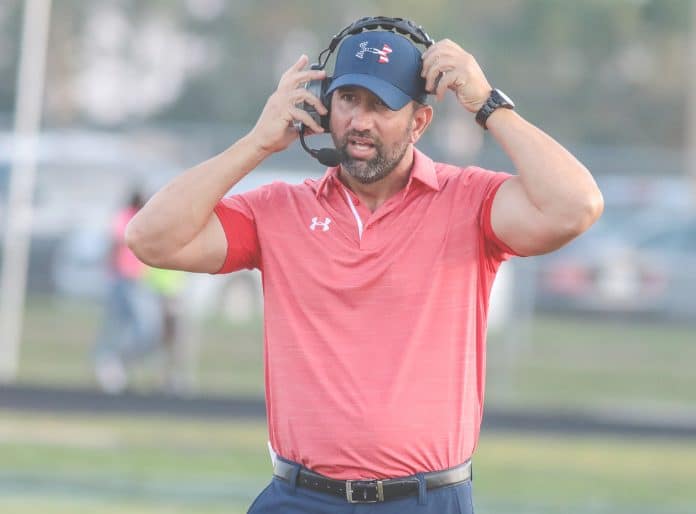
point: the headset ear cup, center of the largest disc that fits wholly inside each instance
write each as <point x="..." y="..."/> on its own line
<point x="326" y="101"/>
<point x="316" y="88"/>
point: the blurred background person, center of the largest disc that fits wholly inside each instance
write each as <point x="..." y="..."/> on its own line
<point x="132" y="322"/>
<point x="173" y="348"/>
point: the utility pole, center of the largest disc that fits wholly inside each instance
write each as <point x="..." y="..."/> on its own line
<point x="28" y="106"/>
<point x="690" y="150"/>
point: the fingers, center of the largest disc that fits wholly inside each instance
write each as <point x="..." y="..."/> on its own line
<point x="301" y="115"/>
<point x="299" y="106"/>
<point x="432" y="68"/>
<point x="297" y="98"/>
<point x="296" y="75"/>
<point x="444" y="82"/>
<point x="434" y="71"/>
<point x="290" y="87"/>
<point x="429" y="58"/>
<point x="297" y="78"/>
<point x="443" y="47"/>
<point x="299" y="65"/>
<point x="302" y="95"/>
<point x="443" y="63"/>
<point x="301" y="62"/>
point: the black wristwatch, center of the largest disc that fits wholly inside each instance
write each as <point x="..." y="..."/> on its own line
<point x="496" y="100"/>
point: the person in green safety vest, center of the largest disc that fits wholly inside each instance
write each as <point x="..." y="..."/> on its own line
<point x="168" y="285"/>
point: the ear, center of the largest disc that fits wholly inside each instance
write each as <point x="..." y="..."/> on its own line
<point x="422" y="116"/>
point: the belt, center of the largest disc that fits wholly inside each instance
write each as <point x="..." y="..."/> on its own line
<point x="371" y="491"/>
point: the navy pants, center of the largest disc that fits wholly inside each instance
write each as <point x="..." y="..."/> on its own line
<point x="282" y="497"/>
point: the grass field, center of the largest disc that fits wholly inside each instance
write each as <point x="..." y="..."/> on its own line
<point x="641" y="369"/>
<point x="55" y="464"/>
<point x="70" y="464"/>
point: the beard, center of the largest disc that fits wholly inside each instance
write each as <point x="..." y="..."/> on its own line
<point x="374" y="169"/>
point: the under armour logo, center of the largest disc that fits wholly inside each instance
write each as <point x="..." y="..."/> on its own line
<point x="323" y="224"/>
<point x="383" y="53"/>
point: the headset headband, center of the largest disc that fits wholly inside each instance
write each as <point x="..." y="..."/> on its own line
<point x="400" y="25"/>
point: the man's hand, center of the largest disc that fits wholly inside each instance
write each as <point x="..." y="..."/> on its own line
<point x="446" y="65"/>
<point x="274" y="130"/>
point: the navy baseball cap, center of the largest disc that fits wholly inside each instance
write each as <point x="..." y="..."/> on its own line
<point x="383" y="62"/>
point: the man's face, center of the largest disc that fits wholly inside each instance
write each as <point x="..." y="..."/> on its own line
<point x="371" y="139"/>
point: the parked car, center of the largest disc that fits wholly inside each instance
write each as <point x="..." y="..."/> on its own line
<point x="649" y="270"/>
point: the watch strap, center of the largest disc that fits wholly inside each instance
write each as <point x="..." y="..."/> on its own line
<point x="495" y="101"/>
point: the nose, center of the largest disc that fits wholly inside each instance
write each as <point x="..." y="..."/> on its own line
<point x="361" y="117"/>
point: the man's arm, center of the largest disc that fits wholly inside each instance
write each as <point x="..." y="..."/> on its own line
<point x="553" y="198"/>
<point x="177" y="228"/>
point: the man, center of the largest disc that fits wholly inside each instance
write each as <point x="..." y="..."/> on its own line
<point x="376" y="277"/>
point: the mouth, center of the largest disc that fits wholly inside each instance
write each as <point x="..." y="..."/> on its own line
<point x="360" y="146"/>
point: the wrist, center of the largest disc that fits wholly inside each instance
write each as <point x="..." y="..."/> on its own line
<point x="500" y="117"/>
<point x="254" y="144"/>
<point x="477" y="105"/>
<point x="496" y="101"/>
<point x="244" y="155"/>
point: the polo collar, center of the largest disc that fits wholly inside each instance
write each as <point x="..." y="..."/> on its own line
<point x="423" y="170"/>
<point x="328" y="178"/>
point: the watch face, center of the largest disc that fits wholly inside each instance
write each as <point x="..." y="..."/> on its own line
<point x="501" y="98"/>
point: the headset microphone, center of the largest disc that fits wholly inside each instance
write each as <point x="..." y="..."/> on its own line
<point x="326" y="156"/>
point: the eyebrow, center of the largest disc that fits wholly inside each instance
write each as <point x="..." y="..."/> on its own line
<point x="352" y="89"/>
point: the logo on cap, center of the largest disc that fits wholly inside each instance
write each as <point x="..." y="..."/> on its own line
<point x="383" y="53"/>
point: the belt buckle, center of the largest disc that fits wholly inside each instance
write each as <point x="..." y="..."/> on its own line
<point x="376" y="485"/>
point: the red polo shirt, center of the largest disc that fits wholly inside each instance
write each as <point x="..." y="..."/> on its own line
<point x="375" y="322"/>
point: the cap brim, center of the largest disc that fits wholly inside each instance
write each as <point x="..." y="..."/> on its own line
<point x="391" y="95"/>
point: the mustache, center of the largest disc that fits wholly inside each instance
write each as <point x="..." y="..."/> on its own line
<point x="364" y="134"/>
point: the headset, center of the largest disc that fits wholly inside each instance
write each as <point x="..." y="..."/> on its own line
<point x="329" y="156"/>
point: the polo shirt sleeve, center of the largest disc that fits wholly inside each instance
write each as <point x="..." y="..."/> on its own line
<point x="493" y="248"/>
<point x="237" y="218"/>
